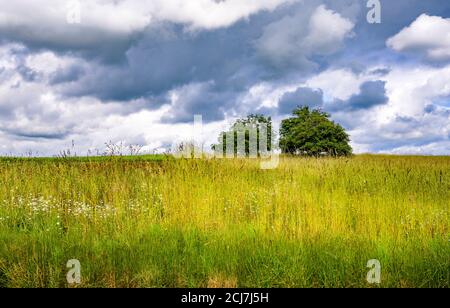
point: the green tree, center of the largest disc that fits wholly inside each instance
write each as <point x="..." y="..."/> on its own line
<point x="311" y="132"/>
<point x="250" y="128"/>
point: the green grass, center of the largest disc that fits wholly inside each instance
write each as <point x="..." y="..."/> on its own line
<point x="159" y="222"/>
<point x="84" y="159"/>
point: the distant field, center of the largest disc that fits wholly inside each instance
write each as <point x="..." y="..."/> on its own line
<point x="158" y="222"/>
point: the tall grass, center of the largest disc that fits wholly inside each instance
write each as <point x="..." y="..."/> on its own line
<point x="225" y="223"/>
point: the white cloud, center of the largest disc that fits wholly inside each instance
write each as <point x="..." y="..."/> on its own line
<point x="401" y="125"/>
<point x="337" y="83"/>
<point x="434" y="148"/>
<point x="209" y="14"/>
<point x="429" y="35"/>
<point x="327" y="31"/>
<point x="47" y="18"/>
<point x="292" y="41"/>
<point x="411" y="89"/>
<point x="34" y="117"/>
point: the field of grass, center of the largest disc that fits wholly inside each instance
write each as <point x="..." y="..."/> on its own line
<point x="156" y="222"/>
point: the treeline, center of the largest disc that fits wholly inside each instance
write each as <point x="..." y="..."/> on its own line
<point x="307" y="132"/>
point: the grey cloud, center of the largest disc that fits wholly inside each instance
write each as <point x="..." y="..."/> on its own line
<point x="372" y="93"/>
<point x="380" y="71"/>
<point x="296" y="40"/>
<point x="405" y="131"/>
<point x="301" y="97"/>
<point x="42" y="135"/>
<point x="437" y="110"/>
<point x="18" y="56"/>
<point x="70" y="74"/>
<point x="202" y="99"/>
<point x="161" y="62"/>
<point x="27" y="73"/>
<point x="430" y="108"/>
<point x="166" y="57"/>
<point x="35" y="134"/>
<point x="87" y="42"/>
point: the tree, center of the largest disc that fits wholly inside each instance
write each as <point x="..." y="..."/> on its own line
<point x="250" y="130"/>
<point x="313" y="133"/>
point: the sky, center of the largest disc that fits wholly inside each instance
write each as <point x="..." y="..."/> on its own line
<point x="79" y="74"/>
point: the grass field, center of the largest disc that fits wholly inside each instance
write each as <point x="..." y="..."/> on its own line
<point x="157" y="222"/>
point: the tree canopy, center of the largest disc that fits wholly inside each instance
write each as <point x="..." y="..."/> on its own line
<point x="311" y="132"/>
<point x="251" y="130"/>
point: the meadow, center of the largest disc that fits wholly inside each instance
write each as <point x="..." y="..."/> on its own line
<point x="161" y="222"/>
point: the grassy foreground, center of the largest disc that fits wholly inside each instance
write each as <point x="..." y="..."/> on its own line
<point x="225" y="223"/>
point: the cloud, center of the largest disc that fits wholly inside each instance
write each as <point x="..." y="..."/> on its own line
<point x="209" y="14"/>
<point x="32" y="110"/>
<point x="336" y="83"/>
<point x="405" y="119"/>
<point x="165" y="59"/>
<point x="433" y="148"/>
<point x="418" y="134"/>
<point x="71" y="73"/>
<point x="291" y="41"/>
<point x="198" y="99"/>
<point x="410" y="122"/>
<point x="372" y="93"/>
<point x="301" y="97"/>
<point x="380" y="71"/>
<point x="327" y="31"/>
<point x="36" y="134"/>
<point x="427" y="35"/>
<point x="108" y="28"/>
